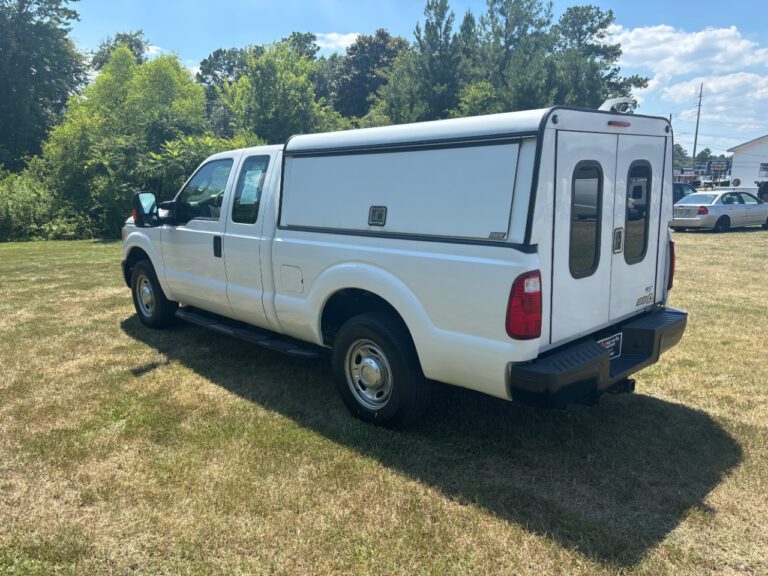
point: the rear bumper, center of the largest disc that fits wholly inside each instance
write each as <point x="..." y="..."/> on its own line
<point x="694" y="222"/>
<point x="584" y="367"/>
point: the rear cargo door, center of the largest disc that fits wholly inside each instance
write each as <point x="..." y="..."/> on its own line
<point x="636" y="213"/>
<point x="583" y="226"/>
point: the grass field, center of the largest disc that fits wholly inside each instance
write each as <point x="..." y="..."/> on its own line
<point x="128" y="451"/>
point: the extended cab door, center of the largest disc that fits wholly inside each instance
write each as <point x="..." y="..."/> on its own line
<point x="636" y="230"/>
<point x="244" y="241"/>
<point x="193" y="248"/>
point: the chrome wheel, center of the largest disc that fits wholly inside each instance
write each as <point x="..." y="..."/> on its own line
<point x="368" y="374"/>
<point x="145" y="296"/>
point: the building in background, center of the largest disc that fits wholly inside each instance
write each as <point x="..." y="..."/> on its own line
<point x="750" y="163"/>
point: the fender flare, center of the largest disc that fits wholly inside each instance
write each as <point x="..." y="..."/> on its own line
<point x="382" y="283"/>
<point x="139" y="239"/>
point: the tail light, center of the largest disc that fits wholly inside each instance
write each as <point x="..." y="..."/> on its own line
<point x="702" y="211"/>
<point x="671" y="275"/>
<point x="524" y="309"/>
<point x="135" y="215"/>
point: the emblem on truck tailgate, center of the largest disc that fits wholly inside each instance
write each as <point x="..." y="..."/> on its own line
<point x="497" y="235"/>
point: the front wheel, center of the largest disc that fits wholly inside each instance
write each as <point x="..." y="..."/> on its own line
<point x="377" y="371"/>
<point x="153" y="308"/>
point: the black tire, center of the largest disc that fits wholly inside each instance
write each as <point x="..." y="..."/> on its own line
<point x="152" y="307"/>
<point x="389" y="388"/>
<point x="723" y="224"/>
<point x="765" y="226"/>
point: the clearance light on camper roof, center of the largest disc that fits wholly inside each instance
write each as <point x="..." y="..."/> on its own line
<point x="619" y="123"/>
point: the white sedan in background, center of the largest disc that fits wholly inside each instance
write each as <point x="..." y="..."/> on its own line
<point x="719" y="211"/>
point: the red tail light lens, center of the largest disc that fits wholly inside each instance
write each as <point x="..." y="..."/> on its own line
<point x="671" y="275"/>
<point x="524" y="309"/>
<point x="135" y="215"/>
<point x="702" y="211"/>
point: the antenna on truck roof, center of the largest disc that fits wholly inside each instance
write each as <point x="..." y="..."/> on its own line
<point x="622" y="105"/>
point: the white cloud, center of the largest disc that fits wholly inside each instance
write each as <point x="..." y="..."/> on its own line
<point x="335" y="41"/>
<point x="732" y="68"/>
<point x="153" y="51"/>
<point x="738" y="100"/>
<point x="670" y="51"/>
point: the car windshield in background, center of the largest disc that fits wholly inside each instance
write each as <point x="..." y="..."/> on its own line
<point x="698" y="199"/>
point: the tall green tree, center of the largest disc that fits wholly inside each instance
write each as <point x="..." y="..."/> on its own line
<point x="98" y="156"/>
<point x="326" y="76"/>
<point x="680" y="157"/>
<point x="217" y="71"/>
<point x="135" y="41"/>
<point x="586" y="61"/>
<point x="423" y="83"/>
<point x="438" y="58"/>
<point x="304" y="44"/>
<point x="364" y="70"/>
<point x="39" y="69"/>
<point x="517" y="48"/>
<point x="276" y="98"/>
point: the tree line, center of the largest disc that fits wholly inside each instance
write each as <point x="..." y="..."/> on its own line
<point x="80" y="133"/>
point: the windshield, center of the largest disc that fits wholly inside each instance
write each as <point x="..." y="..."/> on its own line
<point x="698" y="199"/>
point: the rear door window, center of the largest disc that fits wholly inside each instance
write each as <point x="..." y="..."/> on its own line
<point x="245" y="208"/>
<point x="637" y="211"/>
<point x="586" y="217"/>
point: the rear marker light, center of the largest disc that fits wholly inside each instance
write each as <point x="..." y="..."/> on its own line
<point x="524" y="308"/>
<point x="702" y="211"/>
<point x="619" y="123"/>
<point x="671" y="275"/>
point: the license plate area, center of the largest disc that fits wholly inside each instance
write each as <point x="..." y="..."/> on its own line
<point x="612" y="344"/>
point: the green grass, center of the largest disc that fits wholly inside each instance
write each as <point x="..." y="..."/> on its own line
<point x="130" y="451"/>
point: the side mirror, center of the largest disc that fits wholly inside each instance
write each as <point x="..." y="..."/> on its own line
<point x="145" y="211"/>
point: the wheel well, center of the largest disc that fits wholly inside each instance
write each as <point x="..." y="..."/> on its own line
<point x="134" y="256"/>
<point x="348" y="303"/>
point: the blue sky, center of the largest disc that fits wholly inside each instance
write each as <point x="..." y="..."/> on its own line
<point x="677" y="44"/>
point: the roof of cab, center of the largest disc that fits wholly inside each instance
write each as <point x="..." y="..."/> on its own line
<point x="506" y="124"/>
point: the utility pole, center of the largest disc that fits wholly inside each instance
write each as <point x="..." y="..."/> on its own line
<point x="696" y="136"/>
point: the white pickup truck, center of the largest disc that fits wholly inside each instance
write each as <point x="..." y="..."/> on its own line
<point x="446" y="251"/>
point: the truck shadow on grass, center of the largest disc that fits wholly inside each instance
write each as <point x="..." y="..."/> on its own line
<point x="610" y="481"/>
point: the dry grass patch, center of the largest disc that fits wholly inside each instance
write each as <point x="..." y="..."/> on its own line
<point x="128" y="451"/>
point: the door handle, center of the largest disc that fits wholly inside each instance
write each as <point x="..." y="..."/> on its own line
<point x="618" y="240"/>
<point x="217" y="246"/>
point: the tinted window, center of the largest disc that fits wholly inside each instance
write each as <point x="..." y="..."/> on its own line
<point x="637" y="213"/>
<point x="698" y="199"/>
<point x="732" y="199"/>
<point x="202" y="196"/>
<point x="586" y="215"/>
<point x="749" y="199"/>
<point x="245" y="208"/>
<point x="681" y="190"/>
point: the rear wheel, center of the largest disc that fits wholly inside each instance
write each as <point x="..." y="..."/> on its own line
<point x="153" y="308"/>
<point x="723" y="224"/>
<point x="377" y="371"/>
